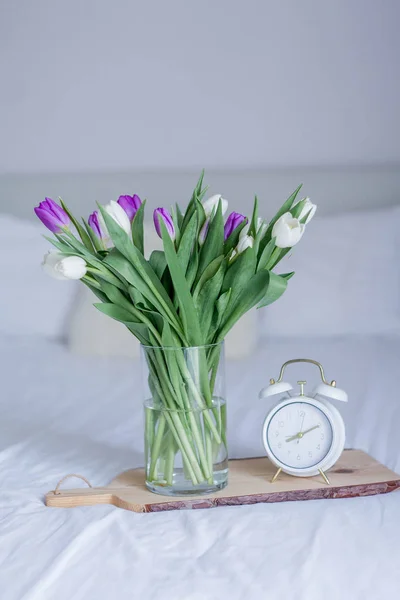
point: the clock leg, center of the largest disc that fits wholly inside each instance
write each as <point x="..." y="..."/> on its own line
<point x="275" y="477"/>
<point x="324" y="476"/>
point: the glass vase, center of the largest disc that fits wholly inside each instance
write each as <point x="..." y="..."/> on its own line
<point x="185" y="419"/>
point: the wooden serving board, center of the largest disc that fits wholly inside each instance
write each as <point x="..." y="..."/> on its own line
<point x="355" y="474"/>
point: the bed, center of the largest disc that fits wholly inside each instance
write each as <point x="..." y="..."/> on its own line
<point x="62" y="413"/>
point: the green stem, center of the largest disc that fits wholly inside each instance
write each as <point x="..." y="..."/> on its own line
<point x="156" y="447"/>
<point x="200" y="401"/>
<point x="209" y="450"/>
<point x="169" y="460"/>
<point x="179" y="433"/>
<point x="166" y="366"/>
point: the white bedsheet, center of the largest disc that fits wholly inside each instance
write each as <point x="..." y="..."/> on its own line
<point x="61" y="414"/>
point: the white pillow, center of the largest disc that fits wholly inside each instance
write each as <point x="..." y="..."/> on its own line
<point x="347" y="278"/>
<point x="91" y="332"/>
<point x="31" y="303"/>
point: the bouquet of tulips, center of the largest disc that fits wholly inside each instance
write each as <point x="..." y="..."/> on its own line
<point x="210" y="272"/>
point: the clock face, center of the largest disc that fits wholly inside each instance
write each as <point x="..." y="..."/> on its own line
<point x="298" y="435"/>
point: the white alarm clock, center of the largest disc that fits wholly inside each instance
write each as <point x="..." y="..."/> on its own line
<point x="303" y="435"/>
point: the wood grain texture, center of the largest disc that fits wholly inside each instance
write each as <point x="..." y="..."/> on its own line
<point x="355" y="474"/>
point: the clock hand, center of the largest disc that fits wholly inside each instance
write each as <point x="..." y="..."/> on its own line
<point x="302" y="423"/>
<point x="300" y="434"/>
<point x="294" y="437"/>
<point x="311" y="429"/>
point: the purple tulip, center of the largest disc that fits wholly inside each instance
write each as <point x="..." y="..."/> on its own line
<point x="52" y="215"/>
<point x="168" y="222"/>
<point x="94" y="223"/>
<point x="130" y="204"/>
<point x="232" y="222"/>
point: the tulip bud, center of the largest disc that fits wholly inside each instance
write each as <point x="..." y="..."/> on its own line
<point x="261" y="226"/>
<point x="287" y="231"/>
<point x="52" y="215"/>
<point x="63" y="267"/>
<point x="119" y="215"/>
<point x="308" y="207"/>
<point x="162" y="213"/>
<point x="130" y="204"/>
<point x="210" y="205"/>
<point x="232" y="222"/>
<point x="97" y="225"/>
<point x="204" y="231"/>
<point x="245" y="242"/>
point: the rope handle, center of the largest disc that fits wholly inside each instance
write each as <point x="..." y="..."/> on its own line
<point x="57" y="493"/>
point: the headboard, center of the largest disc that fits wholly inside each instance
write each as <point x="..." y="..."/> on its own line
<point x="334" y="189"/>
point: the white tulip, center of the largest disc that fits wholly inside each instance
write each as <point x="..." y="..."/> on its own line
<point x="308" y="207"/>
<point x="210" y="205"/>
<point x="232" y="256"/>
<point x="287" y="231"/>
<point x="119" y="215"/>
<point x="63" y="267"/>
<point x="245" y="242"/>
<point x="261" y="225"/>
<point x="106" y="239"/>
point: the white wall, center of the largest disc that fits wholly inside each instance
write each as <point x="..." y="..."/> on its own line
<point x="123" y="84"/>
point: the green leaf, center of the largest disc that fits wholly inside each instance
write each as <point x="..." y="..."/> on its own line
<point x="140" y="330"/>
<point x="63" y="247"/>
<point x="197" y="192"/>
<point x="137" y="228"/>
<point x="277" y="256"/>
<point x="192" y="268"/>
<point x="286" y="205"/>
<point x="139" y="301"/>
<point x="239" y="273"/>
<point x="125" y="269"/>
<point x="158" y="263"/>
<point x="187" y="241"/>
<point x="100" y="295"/>
<point x="201" y="215"/>
<point x="254" y="291"/>
<point x="199" y="184"/>
<point x="254" y="219"/>
<point x="207" y="298"/>
<point x="156" y="323"/>
<point x="81" y="231"/>
<point x="266" y="255"/>
<point x="214" y="243"/>
<point x="139" y="315"/>
<point x="170" y="356"/>
<point x="145" y="276"/>
<point x="277" y="285"/>
<point x="82" y="250"/>
<point x="296" y="210"/>
<point x="208" y="273"/>
<point x="179" y="215"/>
<point x="187" y="308"/>
<point x="94" y="239"/>
<point x="219" y="313"/>
<point x="287" y="276"/>
<point x="105" y="276"/>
